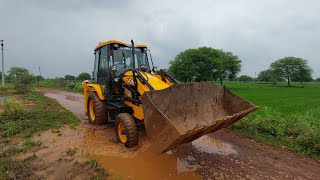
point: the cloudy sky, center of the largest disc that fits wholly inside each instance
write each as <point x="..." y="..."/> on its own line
<point x="60" y="35"/>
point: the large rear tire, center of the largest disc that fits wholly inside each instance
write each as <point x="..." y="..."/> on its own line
<point x="97" y="111"/>
<point x="126" y="130"/>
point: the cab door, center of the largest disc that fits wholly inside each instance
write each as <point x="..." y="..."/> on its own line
<point x="95" y="67"/>
<point x="103" y="66"/>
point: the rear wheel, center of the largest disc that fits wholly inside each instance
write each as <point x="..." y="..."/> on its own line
<point x="97" y="112"/>
<point x="126" y="130"/>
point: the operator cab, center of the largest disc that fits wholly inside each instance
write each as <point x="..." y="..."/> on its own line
<point x="113" y="59"/>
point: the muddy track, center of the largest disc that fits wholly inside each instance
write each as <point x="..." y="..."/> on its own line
<point x="220" y="155"/>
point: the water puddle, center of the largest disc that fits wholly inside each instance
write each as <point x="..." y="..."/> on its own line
<point x="215" y="146"/>
<point x="99" y="143"/>
<point x="148" y="166"/>
<point x="73" y="102"/>
<point x="135" y="163"/>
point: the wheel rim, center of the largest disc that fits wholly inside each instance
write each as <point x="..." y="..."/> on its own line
<point x="91" y="110"/>
<point x="121" y="133"/>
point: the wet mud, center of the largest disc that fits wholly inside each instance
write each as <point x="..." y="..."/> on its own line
<point x="220" y="155"/>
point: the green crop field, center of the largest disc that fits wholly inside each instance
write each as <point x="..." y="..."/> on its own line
<point x="289" y="117"/>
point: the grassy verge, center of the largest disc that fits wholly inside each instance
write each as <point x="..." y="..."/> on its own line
<point x="21" y="116"/>
<point x="62" y="85"/>
<point x="289" y="117"/>
<point x="32" y="113"/>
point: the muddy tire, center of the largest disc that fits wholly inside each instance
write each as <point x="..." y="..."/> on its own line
<point x="126" y="130"/>
<point x="97" y="111"/>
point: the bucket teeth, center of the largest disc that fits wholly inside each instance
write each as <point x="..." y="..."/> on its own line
<point x="185" y="112"/>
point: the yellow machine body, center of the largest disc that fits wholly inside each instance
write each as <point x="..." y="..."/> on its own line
<point x="172" y="113"/>
<point x="154" y="80"/>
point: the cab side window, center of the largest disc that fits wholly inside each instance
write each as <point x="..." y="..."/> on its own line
<point x="103" y="68"/>
<point x="95" y="68"/>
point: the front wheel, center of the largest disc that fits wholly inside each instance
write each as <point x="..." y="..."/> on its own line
<point x="126" y="130"/>
<point x="97" y="111"/>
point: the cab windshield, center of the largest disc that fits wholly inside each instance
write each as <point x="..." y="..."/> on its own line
<point x="122" y="58"/>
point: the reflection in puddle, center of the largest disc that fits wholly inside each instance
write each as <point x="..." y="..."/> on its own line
<point x="184" y="166"/>
<point x="169" y="152"/>
<point x="211" y="145"/>
<point x="148" y="165"/>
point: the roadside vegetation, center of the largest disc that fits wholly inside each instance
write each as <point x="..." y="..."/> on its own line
<point x="66" y="83"/>
<point x="24" y="112"/>
<point x="288" y="117"/>
<point x="63" y="84"/>
<point x="32" y="112"/>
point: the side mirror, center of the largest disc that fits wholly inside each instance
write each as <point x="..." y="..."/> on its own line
<point x="114" y="68"/>
<point x="154" y="69"/>
<point x="143" y="67"/>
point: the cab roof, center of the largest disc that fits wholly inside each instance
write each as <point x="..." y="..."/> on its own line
<point x="101" y="44"/>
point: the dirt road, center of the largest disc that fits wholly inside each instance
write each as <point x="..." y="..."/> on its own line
<point x="220" y="155"/>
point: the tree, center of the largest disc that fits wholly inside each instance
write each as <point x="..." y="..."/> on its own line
<point x="194" y="64"/>
<point x="84" y="76"/>
<point x="245" y="78"/>
<point x="265" y="75"/>
<point x="318" y="80"/>
<point x="204" y="64"/>
<point x="291" y="67"/>
<point x="23" y="83"/>
<point x="69" y="77"/>
<point x="15" y="72"/>
<point x="21" y="79"/>
<point x="229" y="65"/>
<point x="304" y="74"/>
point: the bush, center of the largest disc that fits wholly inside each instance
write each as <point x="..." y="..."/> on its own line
<point x="23" y="84"/>
<point x="245" y="78"/>
<point x="300" y="132"/>
<point x="4" y="89"/>
<point x="12" y="110"/>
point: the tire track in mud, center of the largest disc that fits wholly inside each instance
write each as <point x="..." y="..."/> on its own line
<point x="220" y="155"/>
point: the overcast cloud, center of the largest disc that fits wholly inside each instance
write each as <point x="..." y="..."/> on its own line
<point x="60" y="35"/>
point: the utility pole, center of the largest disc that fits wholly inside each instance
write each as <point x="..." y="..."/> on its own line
<point x="2" y="56"/>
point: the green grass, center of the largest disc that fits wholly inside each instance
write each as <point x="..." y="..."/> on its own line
<point x="29" y="143"/>
<point x="40" y="114"/>
<point x="8" y="164"/>
<point x="23" y="115"/>
<point x="289" y="116"/>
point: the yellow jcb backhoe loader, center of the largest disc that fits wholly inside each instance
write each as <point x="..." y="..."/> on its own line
<point x="125" y="90"/>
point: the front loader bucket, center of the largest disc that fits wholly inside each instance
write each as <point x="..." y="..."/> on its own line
<point x="185" y="112"/>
